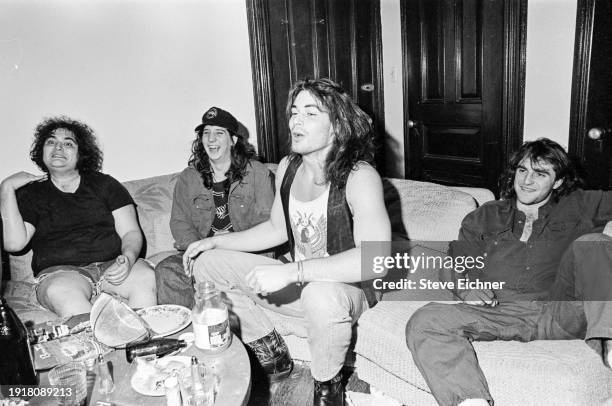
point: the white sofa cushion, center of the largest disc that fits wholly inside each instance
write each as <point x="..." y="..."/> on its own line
<point x="565" y="372"/>
<point x="423" y="211"/>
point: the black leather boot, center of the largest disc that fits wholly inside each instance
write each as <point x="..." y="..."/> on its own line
<point x="273" y="355"/>
<point x="329" y="392"/>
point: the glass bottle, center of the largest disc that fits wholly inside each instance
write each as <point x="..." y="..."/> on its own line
<point x="210" y="319"/>
<point x="157" y="347"/>
<point x="173" y="395"/>
<point x="105" y="379"/>
<point x="16" y="357"/>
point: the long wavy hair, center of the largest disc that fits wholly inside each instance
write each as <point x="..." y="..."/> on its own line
<point x="354" y="136"/>
<point x="241" y="153"/>
<point x="90" y="155"/>
<point x="542" y="150"/>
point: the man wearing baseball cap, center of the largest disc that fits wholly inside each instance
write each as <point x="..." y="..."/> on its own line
<point x="223" y="189"/>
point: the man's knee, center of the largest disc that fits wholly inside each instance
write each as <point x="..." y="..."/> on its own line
<point x="143" y="275"/>
<point x="208" y="263"/>
<point x="58" y="290"/>
<point x="428" y="318"/>
<point x="590" y="245"/>
<point x="324" y="296"/>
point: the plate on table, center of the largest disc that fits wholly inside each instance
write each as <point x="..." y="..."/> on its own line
<point x="150" y="376"/>
<point x="166" y="319"/>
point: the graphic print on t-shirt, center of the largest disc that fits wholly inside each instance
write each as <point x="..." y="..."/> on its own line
<point x="221" y="222"/>
<point x="309" y="226"/>
<point x="310" y="234"/>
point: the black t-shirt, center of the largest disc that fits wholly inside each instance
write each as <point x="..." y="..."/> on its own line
<point x="73" y="228"/>
<point x="222" y="223"/>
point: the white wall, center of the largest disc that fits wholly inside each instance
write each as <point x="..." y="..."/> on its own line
<point x="140" y="72"/>
<point x="551" y="26"/>
<point x="550" y="49"/>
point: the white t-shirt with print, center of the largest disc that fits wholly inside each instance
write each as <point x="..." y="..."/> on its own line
<point x="309" y="226"/>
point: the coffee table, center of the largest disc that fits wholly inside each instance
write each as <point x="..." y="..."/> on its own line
<point x="232" y="365"/>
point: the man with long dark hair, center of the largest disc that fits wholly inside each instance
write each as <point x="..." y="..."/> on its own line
<point x="80" y="223"/>
<point x="329" y="199"/>
<point x="223" y="189"/>
<point x="549" y="242"/>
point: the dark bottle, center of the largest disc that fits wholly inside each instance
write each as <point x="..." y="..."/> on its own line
<point x="16" y="358"/>
<point x="157" y="347"/>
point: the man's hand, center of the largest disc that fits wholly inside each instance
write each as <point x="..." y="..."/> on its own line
<point x="20" y="179"/>
<point x="264" y="279"/>
<point x="195" y="249"/>
<point x="484" y="297"/>
<point x="119" y="271"/>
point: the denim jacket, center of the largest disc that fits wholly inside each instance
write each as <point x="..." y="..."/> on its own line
<point x="529" y="268"/>
<point x="193" y="206"/>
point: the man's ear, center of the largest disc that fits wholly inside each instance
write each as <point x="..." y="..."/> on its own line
<point x="557" y="183"/>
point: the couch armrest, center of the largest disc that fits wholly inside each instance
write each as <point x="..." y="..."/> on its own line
<point x="481" y="195"/>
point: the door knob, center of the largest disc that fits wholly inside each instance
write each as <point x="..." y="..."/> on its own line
<point x="596" y="133"/>
<point x="412" y="123"/>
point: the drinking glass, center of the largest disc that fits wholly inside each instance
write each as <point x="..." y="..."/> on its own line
<point x="72" y="379"/>
<point x="204" y="395"/>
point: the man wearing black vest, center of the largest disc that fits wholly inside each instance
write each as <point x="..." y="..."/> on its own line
<point x="329" y="199"/>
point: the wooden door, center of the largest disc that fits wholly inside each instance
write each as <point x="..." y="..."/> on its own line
<point x="591" y="111"/>
<point x="464" y="70"/>
<point x="297" y="39"/>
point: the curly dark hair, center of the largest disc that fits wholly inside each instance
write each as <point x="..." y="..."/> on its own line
<point x="241" y="153"/>
<point x="542" y="150"/>
<point x="354" y="136"/>
<point x="90" y="155"/>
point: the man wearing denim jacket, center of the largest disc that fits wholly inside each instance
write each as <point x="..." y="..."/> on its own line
<point x="224" y="189"/>
<point x="549" y="242"/>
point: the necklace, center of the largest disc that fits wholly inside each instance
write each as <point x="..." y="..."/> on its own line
<point x="70" y="185"/>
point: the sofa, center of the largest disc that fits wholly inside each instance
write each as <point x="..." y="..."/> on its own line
<point x="428" y="214"/>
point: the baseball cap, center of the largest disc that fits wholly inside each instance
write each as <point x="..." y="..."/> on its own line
<point x="220" y="118"/>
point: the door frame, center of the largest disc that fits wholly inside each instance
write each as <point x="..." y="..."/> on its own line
<point x="585" y="16"/>
<point x="261" y="72"/>
<point x="261" y="60"/>
<point x="513" y="103"/>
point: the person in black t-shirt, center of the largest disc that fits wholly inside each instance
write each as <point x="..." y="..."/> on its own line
<point x="81" y="224"/>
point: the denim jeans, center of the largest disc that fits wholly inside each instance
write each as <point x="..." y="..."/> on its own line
<point x="327" y="310"/>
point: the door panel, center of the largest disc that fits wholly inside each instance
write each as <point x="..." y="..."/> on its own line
<point x="454" y="52"/>
<point x="297" y="39"/>
<point x="591" y="113"/>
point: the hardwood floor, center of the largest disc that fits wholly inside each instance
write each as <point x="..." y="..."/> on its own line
<point x="296" y="389"/>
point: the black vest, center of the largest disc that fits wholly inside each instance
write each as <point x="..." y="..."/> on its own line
<point x="339" y="219"/>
